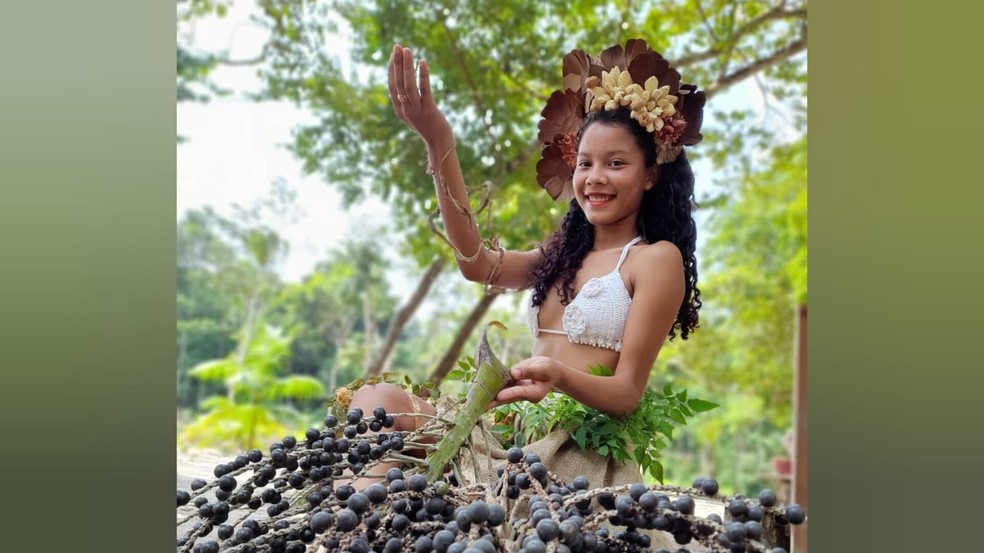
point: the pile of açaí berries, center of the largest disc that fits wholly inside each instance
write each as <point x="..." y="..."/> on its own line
<point x="288" y="502"/>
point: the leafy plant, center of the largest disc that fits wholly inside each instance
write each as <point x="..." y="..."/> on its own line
<point x="638" y="437"/>
<point x="464" y="371"/>
<point x="255" y="390"/>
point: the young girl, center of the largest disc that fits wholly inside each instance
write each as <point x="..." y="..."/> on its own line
<point x="619" y="276"/>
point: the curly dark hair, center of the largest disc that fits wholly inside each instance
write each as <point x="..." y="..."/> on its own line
<point x="665" y="214"/>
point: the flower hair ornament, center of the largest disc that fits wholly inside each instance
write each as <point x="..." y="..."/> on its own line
<point x="635" y="77"/>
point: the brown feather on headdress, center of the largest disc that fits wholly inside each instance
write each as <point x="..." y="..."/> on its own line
<point x="576" y="67"/>
<point x="561" y="116"/>
<point x="554" y="174"/>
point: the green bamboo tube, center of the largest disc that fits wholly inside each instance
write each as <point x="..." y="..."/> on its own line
<point x="492" y="375"/>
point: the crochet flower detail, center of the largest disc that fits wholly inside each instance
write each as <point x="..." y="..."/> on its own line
<point x="574" y="321"/>
<point x="592" y="288"/>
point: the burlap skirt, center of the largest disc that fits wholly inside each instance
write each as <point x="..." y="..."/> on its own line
<point x="565" y="460"/>
<point x="557" y="450"/>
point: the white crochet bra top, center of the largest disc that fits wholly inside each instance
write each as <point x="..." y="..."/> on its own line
<point x="596" y="316"/>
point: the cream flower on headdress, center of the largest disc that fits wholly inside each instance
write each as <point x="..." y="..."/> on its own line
<point x="650" y="105"/>
<point x="614" y="90"/>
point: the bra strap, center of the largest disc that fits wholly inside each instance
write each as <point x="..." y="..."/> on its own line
<point x="625" y="250"/>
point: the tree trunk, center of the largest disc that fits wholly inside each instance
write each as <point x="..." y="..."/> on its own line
<point x="249" y="325"/>
<point x="402" y="317"/>
<point x="333" y="375"/>
<point x="453" y="353"/>
<point x="370" y="333"/>
<point x="338" y="335"/>
<point x="336" y="362"/>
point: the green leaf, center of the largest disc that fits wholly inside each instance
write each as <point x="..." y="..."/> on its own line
<point x="455" y="374"/>
<point x="217" y="370"/>
<point x="656" y="470"/>
<point x="579" y="436"/>
<point x="665" y="428"/>
<point x="600" y="370"/>
<point x="676" y="415"/>
<point x="667" y="391"/>
<point x="608" y="427"/>
<point x="497" y="324"/>
<point x="682" y="396"/>
<point x="215" y="403"/>
<point x="603" y="450"/>
<point x="298" y="387"/>
<point x="701" y="406"/>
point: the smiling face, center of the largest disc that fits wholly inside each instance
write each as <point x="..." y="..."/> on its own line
<point x="610" y="177"/>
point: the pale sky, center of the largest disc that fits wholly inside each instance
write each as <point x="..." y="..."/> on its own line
<point x="235" y="150"/>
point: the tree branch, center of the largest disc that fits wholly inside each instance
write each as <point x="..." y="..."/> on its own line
<point x="705" y="22"/>
<point x="403" y="315"/>
<point x="453" y="353"/>
<point x="246" y="62"/>
<point x="758" y="65"/>
<point x="732" y="43"/>
<point x="523" y="87"/>
<point x="771" y="15"/>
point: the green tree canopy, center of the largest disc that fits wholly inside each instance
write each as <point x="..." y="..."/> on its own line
<point x="345" y="299"/>
<point x="755" y="267"/>
<point x="492" y="77"/>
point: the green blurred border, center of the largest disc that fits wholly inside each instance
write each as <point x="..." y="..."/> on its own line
<point x="87" y="295"/>
<point x="894" y="251"/>
<point x="87" y="300"/>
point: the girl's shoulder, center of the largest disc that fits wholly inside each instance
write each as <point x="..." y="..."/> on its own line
<point x="658" y="264"/>
<point x="662" y="252"/>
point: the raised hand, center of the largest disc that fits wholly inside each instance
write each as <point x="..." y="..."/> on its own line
<point x="414" y="104"/>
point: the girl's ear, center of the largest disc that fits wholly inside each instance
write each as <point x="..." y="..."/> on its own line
<point x="652" y="175"/>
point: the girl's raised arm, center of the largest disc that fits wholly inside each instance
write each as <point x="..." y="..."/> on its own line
<point x="414" y="105"/>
